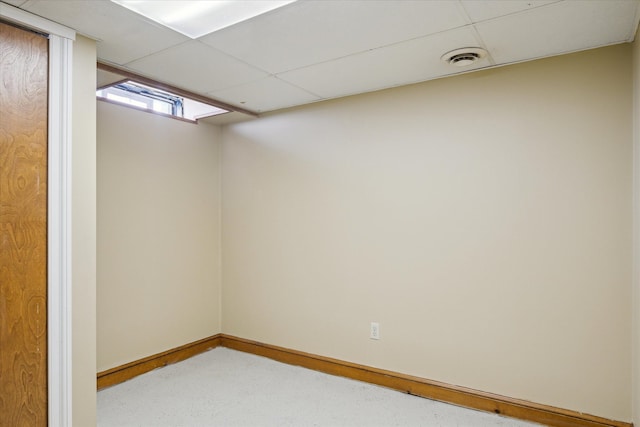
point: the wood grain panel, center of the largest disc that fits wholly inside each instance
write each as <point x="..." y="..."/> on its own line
<point x="23" y="227"/>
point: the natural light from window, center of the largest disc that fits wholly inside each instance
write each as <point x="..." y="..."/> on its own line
<point x="148" y="98"/>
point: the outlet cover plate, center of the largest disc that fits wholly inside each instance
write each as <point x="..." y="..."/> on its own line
<point x="375" y="331"/>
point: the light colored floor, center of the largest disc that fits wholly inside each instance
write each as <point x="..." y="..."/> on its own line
<point x="224" y="387"/>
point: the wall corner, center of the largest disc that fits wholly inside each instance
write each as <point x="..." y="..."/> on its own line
<point x="635" y="282"/>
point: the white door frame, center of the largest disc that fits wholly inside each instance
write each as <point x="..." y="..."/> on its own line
<point x="59" y="210"/>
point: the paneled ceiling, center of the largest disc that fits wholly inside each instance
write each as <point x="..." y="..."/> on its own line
<point x="313" y="50"/>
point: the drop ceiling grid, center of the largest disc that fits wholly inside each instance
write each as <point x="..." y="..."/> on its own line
<point x="267" y="94"/>
<point x="569" y="26"/>
<point x="379" y="68"/>
<point x="122" y="35"/>
<point x="307" y="33"/>
<point x="204" y="69"/>
<point x="16" y="3"/>
<point x="314" y="50"/>
<point x="479" y="11"/>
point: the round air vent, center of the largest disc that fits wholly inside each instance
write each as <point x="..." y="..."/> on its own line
<point x="464" y="57"/>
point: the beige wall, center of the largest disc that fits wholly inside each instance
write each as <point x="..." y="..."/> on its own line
<point x="158" y="234"/>
<point x="484" y="220"/>
<point x="636" y="234"/>
<point x="84" y="232"/>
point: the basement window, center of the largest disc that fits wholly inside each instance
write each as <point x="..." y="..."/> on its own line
<point x="154" y="100"/>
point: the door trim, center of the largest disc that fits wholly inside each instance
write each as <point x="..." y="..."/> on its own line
<point x="59" y="232"/>
<point x="58" y="211"/>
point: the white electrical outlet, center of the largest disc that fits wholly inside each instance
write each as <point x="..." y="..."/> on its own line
<point x="375" y="331"/>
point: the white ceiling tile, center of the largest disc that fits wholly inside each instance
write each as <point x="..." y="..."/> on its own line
<point x="403" y="63"/>
<point x="196" y="67"/>
<point x="559" y="28"/>
<point x="482" y="10"/>
<point x="122" y="34"/>
<point x="308" y="32"/>
<point x="331" y="48"/>
<point x="264" y="95"/>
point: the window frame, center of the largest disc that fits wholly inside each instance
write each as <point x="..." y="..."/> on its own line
<point x="136" y="78"/>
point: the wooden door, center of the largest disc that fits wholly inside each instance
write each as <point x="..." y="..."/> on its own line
<point x="23" y="227"/>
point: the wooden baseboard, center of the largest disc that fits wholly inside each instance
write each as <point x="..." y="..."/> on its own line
<point x="461" y="396"/>
<point x="123" y="373"/>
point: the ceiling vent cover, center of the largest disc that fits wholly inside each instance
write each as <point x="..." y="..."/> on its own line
<point x="464" y="57"/>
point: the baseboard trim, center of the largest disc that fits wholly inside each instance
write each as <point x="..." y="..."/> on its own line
<point x="456" y="395"/>
<point x="130" y="370"/>
<point x="461" y="396"/>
